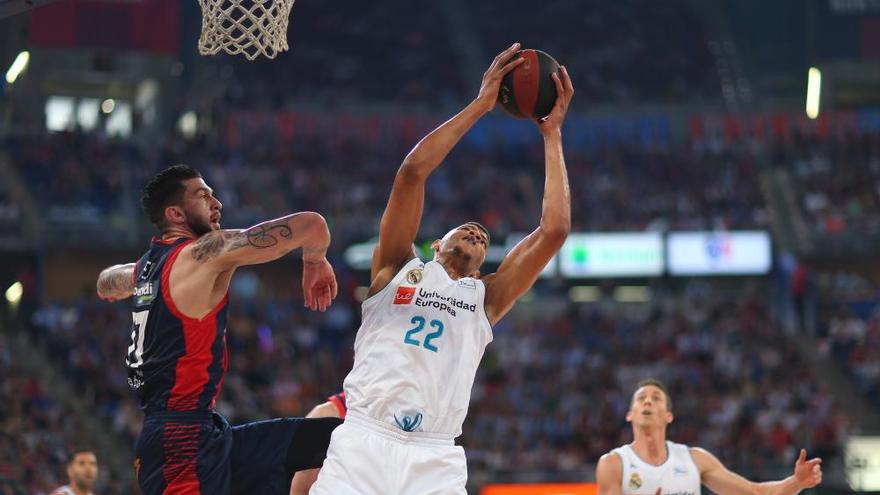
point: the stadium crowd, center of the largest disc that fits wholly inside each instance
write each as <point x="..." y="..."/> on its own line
<point x="850" y="328"/>
<point x="838" y="182"/>
<point x="89" y="182"/>
<point x="361" y="52"/>
<point x="616" y="56"/>
<point x="97" y="185"/>
<point x="36" y="433"/>
<point x="552" y="391"/>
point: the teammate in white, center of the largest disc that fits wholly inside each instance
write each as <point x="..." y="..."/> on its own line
<point x="652" y="464"/>
<point x="82" y="473"/>
<point x="426" y="324"/>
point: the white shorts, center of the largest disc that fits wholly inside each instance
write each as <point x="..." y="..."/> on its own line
<point x="368" y="457"/>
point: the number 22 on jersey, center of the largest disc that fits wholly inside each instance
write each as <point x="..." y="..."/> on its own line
<point x="411" y="336"/>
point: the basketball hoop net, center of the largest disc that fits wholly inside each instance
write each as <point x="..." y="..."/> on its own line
<point x="249" y="27"/>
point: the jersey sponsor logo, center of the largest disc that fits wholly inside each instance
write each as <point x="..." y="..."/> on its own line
<point x="145" y="273"/>
<point x="404" y="295"/>
<point x="468" y="283"/>
<point x="409" y="423"/>
<point x="135" y="383"/>
<point x="679" y="471"/>
<point x="144" y="293"/>
<point x="635" y="482"/>
<point x="433" y="299"/>
<point x="414" y="276"/>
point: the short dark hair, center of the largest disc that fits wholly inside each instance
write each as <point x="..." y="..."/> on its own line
<point x="656" y="383"/>
<point x="480" y="226"/>
<point x="75" y="451"/>
<point x="164" y="190"/>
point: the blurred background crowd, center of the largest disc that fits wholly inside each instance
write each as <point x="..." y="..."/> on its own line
<point x="687" y="118"/>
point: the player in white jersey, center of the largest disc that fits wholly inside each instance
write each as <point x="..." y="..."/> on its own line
<point x="82" y="473"/>
<point x="652" y="464"/>
<point x="426" y="324"/>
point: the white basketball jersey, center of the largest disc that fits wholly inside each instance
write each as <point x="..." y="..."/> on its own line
<point x="677" y="476"/>
<point x="64" y="490"/>
<point x="418" y="349"/>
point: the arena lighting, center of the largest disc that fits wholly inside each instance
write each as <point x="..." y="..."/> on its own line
<point x="814" y="91"/>
<point x="584" y="293"/>
<point x="14" y="292"/>
<point x="18" y="66"/>
<point x="633" y="294"/>
<point x="862" y="461"/>
<point x="108" y="105"/>
<point x="188" y="124"/>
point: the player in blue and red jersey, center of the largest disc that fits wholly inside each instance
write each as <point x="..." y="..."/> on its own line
<point x="177" y="357"/>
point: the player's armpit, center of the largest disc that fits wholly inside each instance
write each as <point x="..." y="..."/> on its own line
<point x="609" y="473"/>
<point x="116" y="282"/>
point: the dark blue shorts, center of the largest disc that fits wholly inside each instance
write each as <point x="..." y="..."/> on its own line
<point x="200" y="453"/>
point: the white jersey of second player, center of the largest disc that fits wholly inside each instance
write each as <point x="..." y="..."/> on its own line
<point x="65" y="490"/>
<point x="677" y="476"/>
<point x="418" y="349"/>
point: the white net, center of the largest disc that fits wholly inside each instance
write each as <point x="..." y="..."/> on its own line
<point x="248" y="27"/>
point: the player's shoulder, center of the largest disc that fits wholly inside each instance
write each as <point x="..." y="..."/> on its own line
<point x="610" y="466"/>
<point x="702" y="458"/>
<point x="697" y="450"/>
<point x="62" y="490"/>
<point x="611" y="458"/>
<point x="678" y="446"/>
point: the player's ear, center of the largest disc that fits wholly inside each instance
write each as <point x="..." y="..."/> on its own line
<point x="436" y="245"/>
<point x="669" y="417"/>
<point x="174" y="215"/>
<point x="629" y="416"/>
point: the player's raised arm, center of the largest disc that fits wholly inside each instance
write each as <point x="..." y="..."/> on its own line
<point x="116" y="282"/>
<point x="719" y="479"/>
<point x="524" y="263"/>
<point x="403" y="214"/>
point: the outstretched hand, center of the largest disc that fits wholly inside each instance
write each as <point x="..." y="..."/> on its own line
<point x="807" y="473"/>
<point x="491" y="84"/>
<point x="564" y="91"/>
<point x="319" y="285"/>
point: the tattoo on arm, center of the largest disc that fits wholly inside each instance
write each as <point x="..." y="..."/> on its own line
<point x="260" y="237"/>
<point x="117" y="281"/>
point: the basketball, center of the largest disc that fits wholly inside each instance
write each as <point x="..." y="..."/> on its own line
<point x="528" y="91"/>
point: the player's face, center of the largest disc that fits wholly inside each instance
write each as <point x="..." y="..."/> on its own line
<point x="83" y="470"/>
<point x="201" y="208"/>
<point x="649" y="407"/>
<point x="464" y="248"/>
